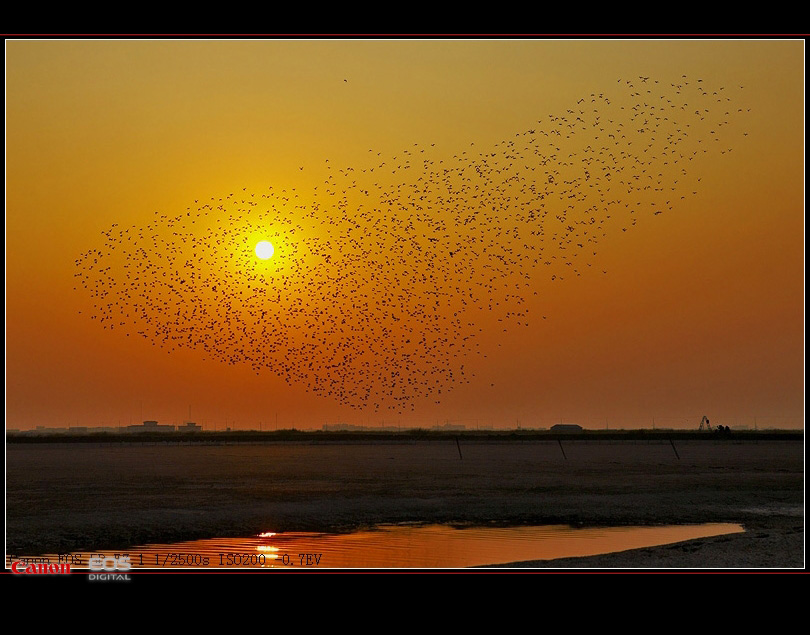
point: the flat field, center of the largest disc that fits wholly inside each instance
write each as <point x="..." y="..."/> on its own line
<point x="92" y="496"/>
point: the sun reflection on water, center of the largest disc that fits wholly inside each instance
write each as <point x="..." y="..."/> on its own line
<point x="405" y="546"/>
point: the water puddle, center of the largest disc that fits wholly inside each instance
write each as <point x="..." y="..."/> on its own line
<point x="394" y="546"/>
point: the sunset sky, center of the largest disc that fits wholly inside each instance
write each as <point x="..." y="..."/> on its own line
<point x="480" y="231"/>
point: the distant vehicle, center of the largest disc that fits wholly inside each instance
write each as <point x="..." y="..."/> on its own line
<point x="566" y="427"/>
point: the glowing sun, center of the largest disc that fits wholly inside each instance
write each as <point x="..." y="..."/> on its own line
<point x="264" y="250"/>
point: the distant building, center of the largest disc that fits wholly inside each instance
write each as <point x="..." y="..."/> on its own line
<point x="189" y="426"/>
<point x="105" y="430"/>
<point x="348" y="427"/>
<point x="77" y="430"/>
<point x="43" y="430"/>
<point x="149" y="426"/>
<point x="566" y="427"/>
<point x="339" y="427"/>
<point x="450" y="427"/>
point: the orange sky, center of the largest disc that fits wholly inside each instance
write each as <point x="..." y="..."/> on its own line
<point x="698" y="309"/>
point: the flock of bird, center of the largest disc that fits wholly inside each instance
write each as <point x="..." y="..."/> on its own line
<point x="387" y="273"/>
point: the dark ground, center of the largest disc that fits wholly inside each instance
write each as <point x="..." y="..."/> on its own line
<point x="70" y="497"/>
